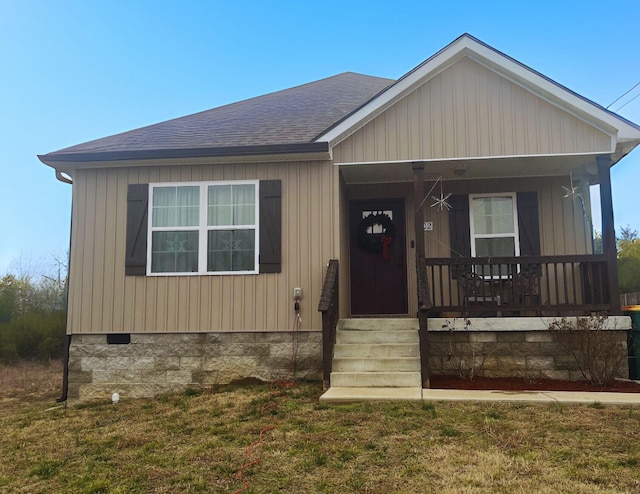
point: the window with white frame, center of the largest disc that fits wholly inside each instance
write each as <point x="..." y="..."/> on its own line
<point x="203" y="228"/>
<point x="494" y="225"/>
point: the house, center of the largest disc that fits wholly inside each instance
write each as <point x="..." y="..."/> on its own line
<point x="203" y="247"/>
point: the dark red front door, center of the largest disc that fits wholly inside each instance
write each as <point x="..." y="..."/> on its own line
<point x="378" y="257"/>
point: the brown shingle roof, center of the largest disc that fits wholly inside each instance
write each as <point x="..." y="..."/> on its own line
<point x="289" y="117"/>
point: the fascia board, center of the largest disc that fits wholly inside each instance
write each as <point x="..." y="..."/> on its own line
<point x="70" y="166"/>
<point x="188" y="156"/>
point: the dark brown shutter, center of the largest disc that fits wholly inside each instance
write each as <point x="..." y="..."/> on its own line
<point x="528" y="223"/>
<point x="137" y="213"/>
<point x="270" y="226"/>
<point x="459" y="229"/>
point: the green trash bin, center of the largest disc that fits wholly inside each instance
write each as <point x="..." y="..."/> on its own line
<point x="633" y="340"/>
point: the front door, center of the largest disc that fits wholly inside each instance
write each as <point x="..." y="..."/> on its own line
<point x="378" y="257"/>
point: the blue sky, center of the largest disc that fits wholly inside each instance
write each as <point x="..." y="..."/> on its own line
<point x="72" y="71"/>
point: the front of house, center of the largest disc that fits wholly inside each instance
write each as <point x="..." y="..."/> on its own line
<point x="465" y="182"/>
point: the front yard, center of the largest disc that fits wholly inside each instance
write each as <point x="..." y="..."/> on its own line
<point x="197" y="442"/>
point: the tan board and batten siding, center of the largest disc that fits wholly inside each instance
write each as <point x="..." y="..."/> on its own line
<point x="470" y="111"/>
<point x="104" y="300"/>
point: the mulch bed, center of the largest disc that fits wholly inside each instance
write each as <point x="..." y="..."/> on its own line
<point x="520" y="384"/>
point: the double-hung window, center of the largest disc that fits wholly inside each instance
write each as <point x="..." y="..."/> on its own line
<point x="203" y="228"/>
<point x="494" y="225"/>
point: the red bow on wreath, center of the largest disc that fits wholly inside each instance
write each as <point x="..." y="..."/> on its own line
<point x="386" y="242"/>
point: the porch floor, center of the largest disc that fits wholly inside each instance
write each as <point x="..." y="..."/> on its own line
<point x="350" y="395"/>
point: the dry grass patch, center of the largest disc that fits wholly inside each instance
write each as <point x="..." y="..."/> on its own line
<point x="196" y="441"/>
<point x="26" y="381"/>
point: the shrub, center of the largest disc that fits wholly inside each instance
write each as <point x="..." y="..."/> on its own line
<point x="597" y="351"/>
<point x="471" y="363"/>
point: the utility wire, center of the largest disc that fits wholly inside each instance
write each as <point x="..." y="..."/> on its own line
<point x="620" y="108"/>
<point x="620" y="97"/>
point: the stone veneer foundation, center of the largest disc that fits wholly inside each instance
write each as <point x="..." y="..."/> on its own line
<point x="512" y="347"/>
<point x="153" y="364"/>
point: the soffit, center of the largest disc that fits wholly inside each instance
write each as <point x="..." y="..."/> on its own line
<point x="469" y="169"/>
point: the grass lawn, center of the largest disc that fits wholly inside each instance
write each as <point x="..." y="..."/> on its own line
<point x="197" y="441"/>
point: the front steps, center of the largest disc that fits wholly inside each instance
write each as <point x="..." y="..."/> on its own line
<point x="376" y="353"/>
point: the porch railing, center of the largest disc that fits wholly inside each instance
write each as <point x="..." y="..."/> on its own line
<point x="330" y="308"/>
<point x="547" y="285"/>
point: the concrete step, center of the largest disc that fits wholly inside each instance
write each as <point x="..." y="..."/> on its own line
<point x="356" y="364"/>
<point x="386" y="336"/>
<point x="378" y="324"/>
<point x="349" y="395"/>
<point x="376" y="350"/>
<point x="375" y="379"/>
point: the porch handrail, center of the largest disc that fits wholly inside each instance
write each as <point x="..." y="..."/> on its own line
<point x="424" y="304"/>
<point x="422" y="279"/>
<point x="559" y="283"/>
<point x="330" y="307"/>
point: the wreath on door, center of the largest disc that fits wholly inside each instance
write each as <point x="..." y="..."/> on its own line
<point x="376" y="243"/>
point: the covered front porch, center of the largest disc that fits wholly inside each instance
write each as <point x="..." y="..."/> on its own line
<point x="553" y="279"/>
<point x="531" y="286"/>
<point x="477" y="240"/>
<point x="538" y="279"/>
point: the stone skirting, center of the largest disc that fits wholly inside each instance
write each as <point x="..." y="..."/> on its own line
<point x="512" y="347"/>
<point x="153" y="364"/>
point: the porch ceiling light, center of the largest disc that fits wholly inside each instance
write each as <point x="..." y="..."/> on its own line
<point x="459" y="171"/>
